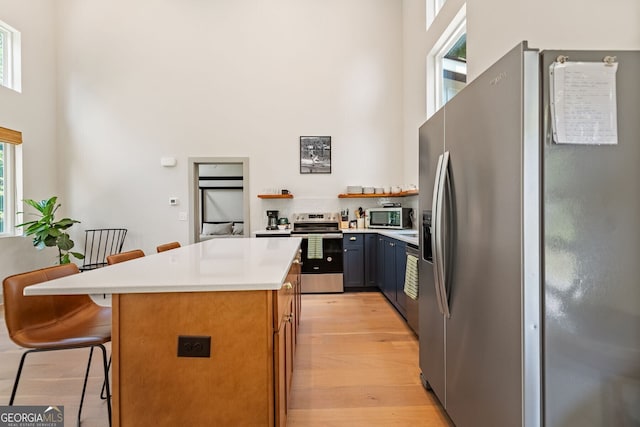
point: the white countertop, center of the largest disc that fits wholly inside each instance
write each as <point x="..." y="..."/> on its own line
<point x="261" y="233"/>
<point x="405" y="235"/>
<point x="213" y="265"/>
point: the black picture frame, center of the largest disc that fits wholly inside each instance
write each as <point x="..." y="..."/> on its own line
<point x="315" y="154"/>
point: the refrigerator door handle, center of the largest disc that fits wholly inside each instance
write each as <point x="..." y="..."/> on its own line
<point x="445" y="192"/>
<point x="440" y="224"/>
<point x="435" y="215"/>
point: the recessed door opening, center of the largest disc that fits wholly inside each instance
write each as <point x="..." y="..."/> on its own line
<point x="218" y="197"/>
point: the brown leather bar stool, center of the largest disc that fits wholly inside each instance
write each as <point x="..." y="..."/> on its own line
<point x="168" y="246"/>
<point x="124" y="256"/>
<point x="55" y="322"/>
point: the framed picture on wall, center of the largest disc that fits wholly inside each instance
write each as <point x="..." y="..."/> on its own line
<point x="315" y="154"/>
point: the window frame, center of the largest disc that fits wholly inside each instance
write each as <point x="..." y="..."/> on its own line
<point x="432" y="8"/>
<point x="445" y="63"/>
<point x="456" y="28"/>
<point x="10" y="191"/>
<point x="11" y="58"/>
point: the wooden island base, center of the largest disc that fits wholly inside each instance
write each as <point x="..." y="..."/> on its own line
<point x="244" y="381"/>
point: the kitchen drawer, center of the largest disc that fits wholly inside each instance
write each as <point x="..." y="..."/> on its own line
<point x="353" y="239"/>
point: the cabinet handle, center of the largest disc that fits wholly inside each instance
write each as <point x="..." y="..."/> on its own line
<point x="288" y="286"/>
<point x="352" y="238"/>
<point x="345" y="250"/>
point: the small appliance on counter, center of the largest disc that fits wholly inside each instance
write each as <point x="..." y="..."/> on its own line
<point x="283" y="223"/>
<point x="272" y="220"/>
<point x="389" y="217"/>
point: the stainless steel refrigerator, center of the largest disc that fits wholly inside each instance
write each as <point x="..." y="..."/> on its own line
<point x="530" y="251"/>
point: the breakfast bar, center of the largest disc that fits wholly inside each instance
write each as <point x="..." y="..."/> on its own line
<point x="201" y="335"/>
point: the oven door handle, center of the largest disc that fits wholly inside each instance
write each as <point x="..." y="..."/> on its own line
<point x="324" y="236"/>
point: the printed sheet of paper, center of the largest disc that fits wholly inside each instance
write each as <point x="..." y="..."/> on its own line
<point x="583" y="103"/>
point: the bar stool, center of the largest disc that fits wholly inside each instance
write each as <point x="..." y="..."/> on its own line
<point x="124" y="256"/>
<point x="168" y="246"/>
<point x="55" y="322"/>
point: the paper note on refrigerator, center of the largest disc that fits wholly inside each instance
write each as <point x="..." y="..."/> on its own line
<point x="583" y="102"/>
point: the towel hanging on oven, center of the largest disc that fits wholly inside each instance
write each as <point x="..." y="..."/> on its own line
<point x="314" y="248"/>
<point x="411" y="277"/>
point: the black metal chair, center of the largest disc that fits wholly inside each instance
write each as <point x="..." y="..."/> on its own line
<point x="99" y="244"/>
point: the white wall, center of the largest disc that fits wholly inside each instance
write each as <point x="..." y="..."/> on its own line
<point x="33" y="113"/>
<point x="136" y="81"/>
<point x="496" y="26"/>
<point x="146" y="79"/>
<point x="548" y="24"/>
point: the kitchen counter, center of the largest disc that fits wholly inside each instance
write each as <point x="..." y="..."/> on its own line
<point x="406" y="235"/>
<point x="274" y="233"/>
<point x="185" y="350"/>
<point x="212" y="265"/>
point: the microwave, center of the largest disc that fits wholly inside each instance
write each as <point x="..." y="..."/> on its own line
<point x="389" y="217"/>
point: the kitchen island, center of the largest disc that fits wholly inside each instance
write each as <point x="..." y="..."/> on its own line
<point x="203" y="334"/>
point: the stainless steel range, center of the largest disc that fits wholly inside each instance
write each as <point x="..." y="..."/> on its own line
<point x="321" y="251"/>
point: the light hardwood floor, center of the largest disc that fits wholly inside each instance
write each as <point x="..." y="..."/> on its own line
<point x="356" y="365"/>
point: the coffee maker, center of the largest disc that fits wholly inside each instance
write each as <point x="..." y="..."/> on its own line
<point x="272" y="220"/>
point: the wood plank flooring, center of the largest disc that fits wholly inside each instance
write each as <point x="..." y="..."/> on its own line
<point x="356" y="365"/>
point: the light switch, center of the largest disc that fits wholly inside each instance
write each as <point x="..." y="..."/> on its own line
<point x="173" y="201"/>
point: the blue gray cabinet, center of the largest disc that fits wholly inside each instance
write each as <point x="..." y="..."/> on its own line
<point x="353" y="261"/>
<point x="401" y="269"/>
<point x="380" y="244"/>
<point x="370" y="259"/>
<point x="391" y="267"/>
<point x="389" y="285"/>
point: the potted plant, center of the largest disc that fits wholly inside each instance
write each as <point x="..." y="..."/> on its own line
<point x="47" y="232"/>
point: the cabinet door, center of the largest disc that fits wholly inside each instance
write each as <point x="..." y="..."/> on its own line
<point x="370" y="258"/>
<point x="280" y="376"/>
<point x="290" y="351"/>
<point x="390" y="270"/>
<point x="353" y="245"/>
<point x="401" y="270"/>
<point x="380" y="262"/>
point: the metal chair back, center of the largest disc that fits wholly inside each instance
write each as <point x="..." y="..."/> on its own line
<point x="99" y="244"/>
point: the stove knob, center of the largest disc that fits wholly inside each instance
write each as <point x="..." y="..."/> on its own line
<point x="329" y="259"/>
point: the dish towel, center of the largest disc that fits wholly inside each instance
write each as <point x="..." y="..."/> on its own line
<point x="314" y="248"/>
<point x="411" y="277"/>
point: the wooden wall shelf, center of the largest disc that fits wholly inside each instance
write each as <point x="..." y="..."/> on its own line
<point x="275" y="196"/>
<point x="362" y="196"/>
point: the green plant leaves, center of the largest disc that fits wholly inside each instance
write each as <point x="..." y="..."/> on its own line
<point x="47" y="232"/>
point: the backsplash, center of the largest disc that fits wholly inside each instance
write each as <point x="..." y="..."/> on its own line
<point x="288" y="207"/>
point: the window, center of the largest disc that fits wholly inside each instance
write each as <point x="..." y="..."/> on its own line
<point x="454" y="69"/>
<point x="447" y="64"/>
<point x="432" y="8"/>
<point x="8" y="184"/>
<point x="6" y="211"/>
<point x="9" y="57"/>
